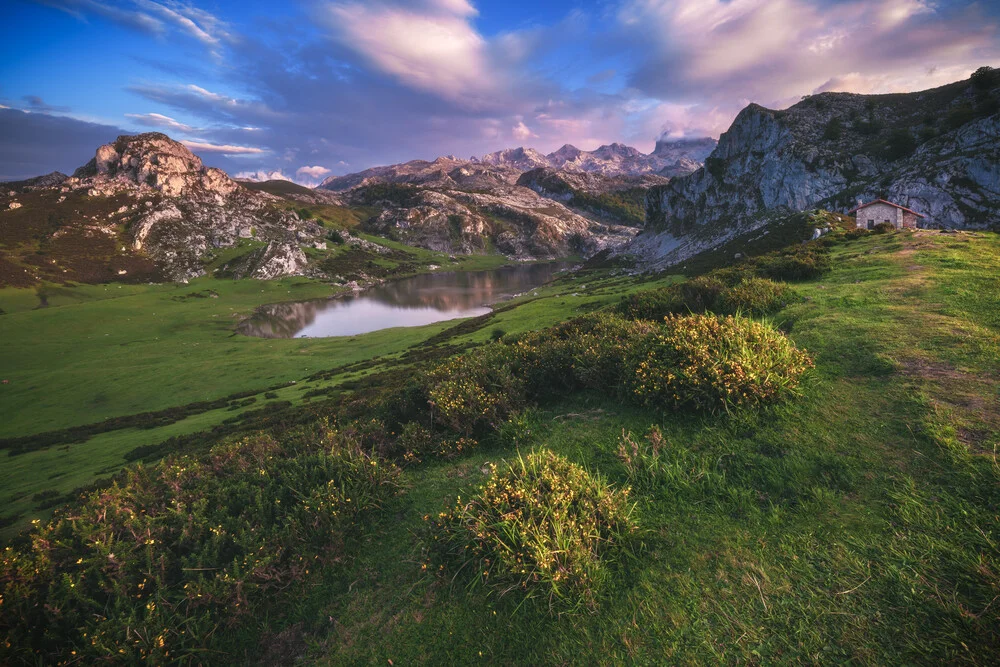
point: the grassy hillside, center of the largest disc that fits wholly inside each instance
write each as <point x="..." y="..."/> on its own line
<point x="855" y="522"/>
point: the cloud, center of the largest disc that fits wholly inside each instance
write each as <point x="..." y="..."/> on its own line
<point x="32" y="144"/>
<point x="312" y="172"/>
<point x="37" y="104"/>
<point x="225" y="149"/>
<point x="161" y="121"/>
<point x="433" y="47"/>
<point x="154" y="18"/>
<point x="770" y="50"/>
<point x="522" y="132"/>
<point x="261" y="175"/>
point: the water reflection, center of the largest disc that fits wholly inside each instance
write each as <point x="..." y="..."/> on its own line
<point x="416" y="301"/>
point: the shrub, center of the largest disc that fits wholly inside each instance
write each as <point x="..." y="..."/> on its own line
<point x="478" y="389"/>
<point x="541" y="526"/>
<point x="900" y="144"/>
<point x="716" y="363"/>
<point x="856" y="233"/>
<point x="755" y="296"/>
<point x="585" y="353"/>
<point x="884" y="228"/>
<point x="335" y="236"/>
<point x="834" y="129"/>
<point x="692" y="296"/>
<point x="803" y="263"/>
<point x="984" y="78"/>
<point x="156" y="566"/>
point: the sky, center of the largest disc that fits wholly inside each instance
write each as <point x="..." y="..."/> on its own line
<point x="305" y="89"/>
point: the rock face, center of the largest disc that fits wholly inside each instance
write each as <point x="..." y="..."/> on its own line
<point x="937" y="152"/>
<point x="173" y="211"/>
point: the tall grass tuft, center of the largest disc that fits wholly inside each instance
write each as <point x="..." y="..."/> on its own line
<point x="540" y="527"/>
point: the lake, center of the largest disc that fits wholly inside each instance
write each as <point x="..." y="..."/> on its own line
<point x="409" y="302"/>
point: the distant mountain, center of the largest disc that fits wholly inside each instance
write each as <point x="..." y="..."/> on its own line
<point x="935" y="151"/>
<point x="504" y="167"/>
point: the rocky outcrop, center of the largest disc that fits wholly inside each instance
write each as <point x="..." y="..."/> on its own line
<point x="936" y="152"/>
<point x="514" y="220"/>
<point x="154" y="159"/>
<point x="172" y="210"/>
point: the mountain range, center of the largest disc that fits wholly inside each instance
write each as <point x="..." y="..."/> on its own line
<point x="146" y="209"/>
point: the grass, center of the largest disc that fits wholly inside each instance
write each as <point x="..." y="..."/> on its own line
<point x="838" y="528"/>
<point x="855" y="523"/>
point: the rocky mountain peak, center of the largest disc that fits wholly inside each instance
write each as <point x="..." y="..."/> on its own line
<point x="567" y="153"/>
<point x="616" y="150"/>
<point x="156" y="160"/>
<point x="696" y="149"/>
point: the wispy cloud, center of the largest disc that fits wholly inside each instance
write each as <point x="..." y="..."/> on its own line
<point x="160" y="121"/>
<point x="37" y="104"/>
<point x="225" y="149"/>
<point x="154" y="18"/>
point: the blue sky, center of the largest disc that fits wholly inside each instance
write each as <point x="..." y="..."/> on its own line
<point x="305" y="89"/>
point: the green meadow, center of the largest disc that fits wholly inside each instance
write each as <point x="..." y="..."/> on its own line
<point x="855" y="522"/>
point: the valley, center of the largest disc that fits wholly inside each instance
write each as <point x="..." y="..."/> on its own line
<point x="583" y="407"/>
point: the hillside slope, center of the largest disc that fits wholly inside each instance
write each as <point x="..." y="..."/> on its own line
<point x="936" y="151"/>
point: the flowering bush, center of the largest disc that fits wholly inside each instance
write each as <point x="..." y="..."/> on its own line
<point x="477" y="389"/>
<point x="151" y="568"/>
<point x="542" y="526"/>
<point x="717" y="363"/>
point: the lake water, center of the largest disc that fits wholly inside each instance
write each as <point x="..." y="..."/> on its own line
<point x="410" y="302"/>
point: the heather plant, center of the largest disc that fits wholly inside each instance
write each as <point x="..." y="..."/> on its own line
<point x="541" y="526"/>
<point x="158" y="566"/>
<point x="717" y="363"/>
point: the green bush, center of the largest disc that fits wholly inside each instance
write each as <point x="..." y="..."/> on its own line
<point x="542" y="527"/>
<point x="692" y="296"/>
<point x="802" y="263"/>
<point x="747" y="294"/>
<point x="478" y="389"/>
<point x="884" y="228"/>
<point x="755" y="296"/>
<point x="156" y="567"/>
<point x="585" y="353"/>
<point x="900" y="144"/>
<point x="716" y="364"/>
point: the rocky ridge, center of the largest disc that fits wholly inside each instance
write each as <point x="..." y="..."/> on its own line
<point x="505" y="167"/>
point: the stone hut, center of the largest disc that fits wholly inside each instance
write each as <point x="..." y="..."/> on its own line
<point x="878" y="211"/>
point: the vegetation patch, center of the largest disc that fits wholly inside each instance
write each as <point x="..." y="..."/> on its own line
<point x="541" y="526"/>
<point x="717" y="364"/>
<point x="158" y="566"/>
